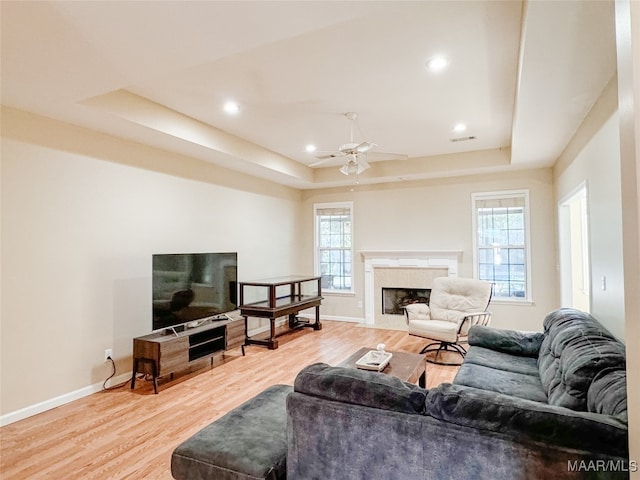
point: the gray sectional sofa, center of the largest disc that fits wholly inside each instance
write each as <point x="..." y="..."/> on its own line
<point x="522" y="406"/>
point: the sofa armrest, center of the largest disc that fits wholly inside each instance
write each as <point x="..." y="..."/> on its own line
<point x="360" y="387"/>
<point x="515" y="342"/>
<point x="528" y="420"/>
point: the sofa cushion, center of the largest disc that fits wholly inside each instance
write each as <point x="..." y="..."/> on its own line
<point x="575" y="349"/>
<point x="501" y="381"/>
<point x="513" y="342"/>
<point x="502" y="361"/>
<point x="579" y="364"/>
<point x="526" y="420"/>
<point x="608" y="393"/>
<point x="360" y="387"/>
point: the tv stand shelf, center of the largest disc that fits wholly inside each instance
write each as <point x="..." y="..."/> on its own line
<point x="278" y="297"/>
<point x="206" y="343"/>
<point x="163" y="353"/>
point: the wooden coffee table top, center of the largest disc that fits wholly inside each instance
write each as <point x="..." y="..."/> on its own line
<point x="410" y="367"/>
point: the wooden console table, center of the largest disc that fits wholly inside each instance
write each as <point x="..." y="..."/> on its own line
<point x="277" y="297"/>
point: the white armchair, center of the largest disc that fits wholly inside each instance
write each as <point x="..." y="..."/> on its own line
<point x="454" y="306"/>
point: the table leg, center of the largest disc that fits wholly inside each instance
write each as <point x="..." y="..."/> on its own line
<point x="273" y="343"/>
<point x="135" y="372"/>
<point x="318" y="325"/>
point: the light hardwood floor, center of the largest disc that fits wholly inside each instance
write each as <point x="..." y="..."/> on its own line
<point x="130" y="434"/>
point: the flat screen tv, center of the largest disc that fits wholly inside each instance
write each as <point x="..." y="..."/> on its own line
<point x="189" y="287"/>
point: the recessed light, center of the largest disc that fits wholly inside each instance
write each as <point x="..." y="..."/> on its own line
<point x="232" y="108"/>
<point x="437" y="64"/>
<point x="459" y="127"/>
<point x="310" y="148"/>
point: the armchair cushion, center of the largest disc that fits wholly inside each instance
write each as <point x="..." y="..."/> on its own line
<point x="451" y="295"/>
<point x="435" y="329"/>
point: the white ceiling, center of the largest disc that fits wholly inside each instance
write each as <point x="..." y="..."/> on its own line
<point x="521" y="76"/>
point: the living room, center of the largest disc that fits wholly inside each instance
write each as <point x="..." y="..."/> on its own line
<point x="83" y="210"/>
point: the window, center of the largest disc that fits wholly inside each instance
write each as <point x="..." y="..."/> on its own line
<point x="333" y="245"/>
<point x="501" y="251"/>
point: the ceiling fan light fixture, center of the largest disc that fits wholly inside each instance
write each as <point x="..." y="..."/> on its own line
<point x="351" y="168"/>
<point x="310" y="148"/>
<point x="459" y="127"/>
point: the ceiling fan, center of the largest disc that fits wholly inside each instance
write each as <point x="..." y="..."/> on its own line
<point x="354" y="153"/>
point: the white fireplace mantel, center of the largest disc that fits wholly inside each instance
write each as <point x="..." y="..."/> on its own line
<point x="373" y="259"/>
<point x="391" y="255"/>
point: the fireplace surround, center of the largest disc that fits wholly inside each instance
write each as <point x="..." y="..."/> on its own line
<point x="408" y="269"/>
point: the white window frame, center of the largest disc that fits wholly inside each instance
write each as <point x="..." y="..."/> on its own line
<point x="496" y="195"/>
<point x="316" y="245"/>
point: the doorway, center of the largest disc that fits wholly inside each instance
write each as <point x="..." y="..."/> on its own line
<point x="575" y="271"/>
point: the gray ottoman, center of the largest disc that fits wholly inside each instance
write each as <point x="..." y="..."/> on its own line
<point x="249" y="442"/>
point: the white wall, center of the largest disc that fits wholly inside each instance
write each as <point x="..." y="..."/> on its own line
<point x="597" y="163"/>
<point x="605" y="153"/>
<point x="437" y="215"/>
<point x="78" y="232"/>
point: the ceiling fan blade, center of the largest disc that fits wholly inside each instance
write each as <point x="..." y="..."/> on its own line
<point x="364" y="147"/>
<point x="329" y="154"/>
<point x="324" y="159"/>
<point x="379" y="156"/>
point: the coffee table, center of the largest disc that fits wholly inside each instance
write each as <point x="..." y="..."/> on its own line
<point x="410" y="367"/>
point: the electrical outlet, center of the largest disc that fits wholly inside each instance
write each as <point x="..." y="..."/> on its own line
<point x="108" y="353"/>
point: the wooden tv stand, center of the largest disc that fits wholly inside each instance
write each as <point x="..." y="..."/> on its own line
<point x="163" y="353"/>
<point x="278" y="297"/>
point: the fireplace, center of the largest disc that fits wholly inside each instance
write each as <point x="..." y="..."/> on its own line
<point x="394" y="299"/>
<point x="383" y="268"/>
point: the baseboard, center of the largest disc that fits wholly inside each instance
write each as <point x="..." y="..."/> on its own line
<point x="334" y="318"/>
<point x="32" y="410"/>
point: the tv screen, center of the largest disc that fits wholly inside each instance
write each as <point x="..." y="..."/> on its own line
<point x="188" y="287"/>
